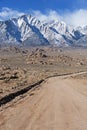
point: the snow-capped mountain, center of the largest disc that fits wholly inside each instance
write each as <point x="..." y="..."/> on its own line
<point x="30" y="31"/>
<point x="21" y="29"/>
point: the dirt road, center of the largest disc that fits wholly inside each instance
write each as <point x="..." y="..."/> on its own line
<point x="59" y="104"/>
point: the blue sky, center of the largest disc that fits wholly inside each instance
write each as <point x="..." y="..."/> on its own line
<point x="42" y="5"/>
<point x="73" y="12"/>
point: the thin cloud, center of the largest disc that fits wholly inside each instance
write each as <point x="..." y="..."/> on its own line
<point x="75" y="18"/>
<point x="48" y="16"/>
<point x="7" y="13"/>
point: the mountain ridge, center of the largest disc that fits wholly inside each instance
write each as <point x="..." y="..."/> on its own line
<point x="28" y="30"/>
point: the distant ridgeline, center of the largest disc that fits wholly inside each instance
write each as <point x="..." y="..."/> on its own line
<point x="27" y="30"/>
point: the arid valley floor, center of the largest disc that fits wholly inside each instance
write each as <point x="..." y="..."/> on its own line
<point x="43" y="88"/>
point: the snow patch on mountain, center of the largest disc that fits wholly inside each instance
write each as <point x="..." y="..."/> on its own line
<point x="29" y="30"/>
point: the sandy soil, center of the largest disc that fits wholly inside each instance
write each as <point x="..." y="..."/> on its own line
<point x="21" y="67"/>
<point x="59" y="104"/>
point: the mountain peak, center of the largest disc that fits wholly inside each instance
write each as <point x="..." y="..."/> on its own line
<point x="29" y="29"/>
